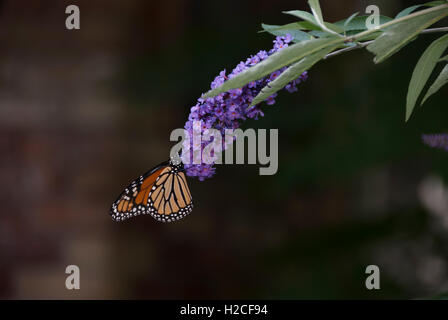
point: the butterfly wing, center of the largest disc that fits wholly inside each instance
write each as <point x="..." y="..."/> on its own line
<point x="170" y="198"/>
<point x="162" y="192"/>
<point x="133" y="200"/>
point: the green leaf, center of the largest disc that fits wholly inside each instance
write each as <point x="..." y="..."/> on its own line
<point x="302" y="25"/>
<point x="293" y="29"/>
<point x="441" y="80"/>
<point x="423" y="70"/>
<point x="400" y="34"/>
<point x="351" y="33"/>
<point x="317" y="13"/>
<point x="349" y="19"/>
<point x="320" y="34"/>
<point x="409" y="10"/>
<point x="358" y="23"/>
<point x="445" y="58"/>
<point x="312" y="20"/>
<point x="276" y="61"/>
<point x="292" y="73"/>
<point x="435" y="3"/>
<point x="370" y="36"/>
<point x="303" y="15"/>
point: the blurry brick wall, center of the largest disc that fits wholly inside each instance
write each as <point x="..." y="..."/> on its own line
<point x="68" y="141"/>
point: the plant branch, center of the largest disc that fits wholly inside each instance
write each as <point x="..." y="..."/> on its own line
<point x="360" y="45"/>
<point x="433" y="30"/>
<point x="395" y="21"/>
<point x="357" y="46"/>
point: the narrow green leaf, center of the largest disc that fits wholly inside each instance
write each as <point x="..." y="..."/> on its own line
<point x="302" y="25"/>
<point x="358" y="23"/>
<point x="408" y="11"/>
<point x="441" y="80"/>
<point x="336" y="30"/>
<point x="293" y="29"/>
<point x="423" y="70"/>
<point x="445" y="58"/>
<point x="400" y="34"/>
<point x="302" y="15"/>
<point x="320" y="34"/>
<point x="371" y="36"/>
<point x="292" y="73"/>
<point x="317" y="12"/>
<point x="312" y="20"/>
<point x="435" y="3"/>
<point x="411" y="9"/>
<point x="349" y="19"/>
<point x="276" y="61"/>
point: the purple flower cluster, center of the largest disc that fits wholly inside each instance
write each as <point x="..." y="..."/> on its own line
<point x="439" y="140"/>
<point x="227" y="110"/>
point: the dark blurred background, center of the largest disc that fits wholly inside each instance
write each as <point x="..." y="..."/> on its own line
<point x="84" y="112"/>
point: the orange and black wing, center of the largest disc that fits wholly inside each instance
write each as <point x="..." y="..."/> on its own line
<point x="162" y="192"/>
<point x="170" y="198"/>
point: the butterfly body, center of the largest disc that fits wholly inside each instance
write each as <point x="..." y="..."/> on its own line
<point x="161" y="192"/>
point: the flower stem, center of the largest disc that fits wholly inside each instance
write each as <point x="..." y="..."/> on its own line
<point x="434" y="30"/>
<point x="395" y="21"/>
<point x="360" y="45"/>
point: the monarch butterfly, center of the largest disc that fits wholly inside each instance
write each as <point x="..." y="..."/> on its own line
<point x="161" y="192"/>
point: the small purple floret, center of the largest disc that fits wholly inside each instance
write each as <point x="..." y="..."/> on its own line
<point x="439" y="140"/>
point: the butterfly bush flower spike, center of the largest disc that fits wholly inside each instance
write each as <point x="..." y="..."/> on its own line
<point x="227" y="110"/>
